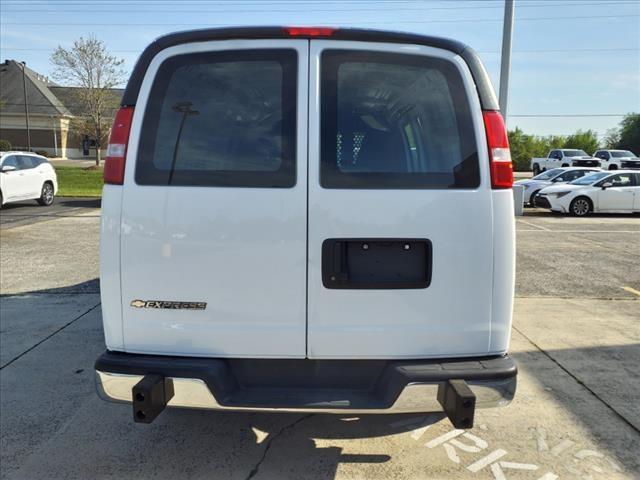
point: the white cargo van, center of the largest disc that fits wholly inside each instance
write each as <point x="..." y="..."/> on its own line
<point x="307" y="219"/>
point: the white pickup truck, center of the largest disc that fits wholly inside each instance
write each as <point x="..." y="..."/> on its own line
<point x="563" y="158"/>
<point x="617" y="159"/>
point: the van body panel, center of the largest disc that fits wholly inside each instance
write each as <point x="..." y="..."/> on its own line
<point x="241" y="251"/>
<point x="504" y="270"/>
<point x="110" y="292"/>
<point x="452" y="316"/>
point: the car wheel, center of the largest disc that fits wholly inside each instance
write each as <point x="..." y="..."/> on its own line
<point x="565" y="165"/>
<point x="532" y="198"/>
<point x="46" y="197"/>
<point x="580" y="206"/>
<point x="536" y="169"/>
<point x="613" y="167"/>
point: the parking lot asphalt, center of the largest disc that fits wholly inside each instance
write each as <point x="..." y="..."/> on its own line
<point x="27" y="212"/>
<point x="576" y="338"/>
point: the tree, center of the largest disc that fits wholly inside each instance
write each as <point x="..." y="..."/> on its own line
<point x="586" y="140"/>
<point x="611" y="138"/>
<point x="88" y="66"/>
<point x="524" y="147"/>
<point x="630" y="133"/>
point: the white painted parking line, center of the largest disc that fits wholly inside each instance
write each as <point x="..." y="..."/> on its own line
<point x="631" y="290"/>
<point x="443" y="438"/>
<point x="562" y="446"/>
<point x="637" y="232"/>
<point x="533" y="225"/>
<point x="483" y="462"/>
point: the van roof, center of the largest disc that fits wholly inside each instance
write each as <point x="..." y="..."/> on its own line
<point x="485" y="90"/>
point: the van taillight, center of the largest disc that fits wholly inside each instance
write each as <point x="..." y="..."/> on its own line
<point x="117" y="149"/>
<point x="499" y="153"/>
<point x="310" y="31"/>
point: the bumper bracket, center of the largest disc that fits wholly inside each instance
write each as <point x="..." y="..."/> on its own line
<point x="150" y="397"/>
<point x="458" y="402"/>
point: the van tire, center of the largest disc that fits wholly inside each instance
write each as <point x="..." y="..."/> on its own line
<point x="581" y="206"/>
<point x="46" y="195"/>
<point x="536" y="169"/>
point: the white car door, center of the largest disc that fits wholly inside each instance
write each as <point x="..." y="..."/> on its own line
<point x="15" y="183"/>
<point x="554" y="159"/>
<point x="636" y="193"/>
<point x="33" y="177"/>
<point x="619" y="196"/>
<point x="215" y="201"/>
<point x="398" y="177"/>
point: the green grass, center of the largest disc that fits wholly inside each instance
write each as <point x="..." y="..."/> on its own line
<point x="79" y="182"/>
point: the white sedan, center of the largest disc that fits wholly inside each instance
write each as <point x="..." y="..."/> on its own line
<point x="611" y="192"/>
<point x="552" y="177"/>
<point x="26" y="176"/>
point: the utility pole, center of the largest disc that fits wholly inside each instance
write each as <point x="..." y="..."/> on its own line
<point x="26" y="107"/>
<point x="55" y="136"/>
<point x="505" y="63"/>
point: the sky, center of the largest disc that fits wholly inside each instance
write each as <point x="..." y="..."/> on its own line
<point x="575" y="63"/>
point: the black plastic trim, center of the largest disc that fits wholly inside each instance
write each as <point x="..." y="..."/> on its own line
<point x="485" y="90"/>
<point x="303" y="383"/>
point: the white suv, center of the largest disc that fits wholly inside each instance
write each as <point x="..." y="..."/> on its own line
<point x="26" y="176"/>
<point x="308" y="219"/>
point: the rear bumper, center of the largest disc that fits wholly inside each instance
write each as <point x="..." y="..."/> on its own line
<point x="321" y="386"/>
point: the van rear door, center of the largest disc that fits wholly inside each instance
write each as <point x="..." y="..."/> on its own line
<point x="214" y="209"/>
<point x="400" y="204"/>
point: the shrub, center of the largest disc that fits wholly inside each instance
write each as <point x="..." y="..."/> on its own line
<point x="5" y="146"/>
<point x="42" y="153"/>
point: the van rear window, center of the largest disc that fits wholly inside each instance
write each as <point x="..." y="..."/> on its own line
<point x="223" y="119"/>
<point x="395" y="121"/>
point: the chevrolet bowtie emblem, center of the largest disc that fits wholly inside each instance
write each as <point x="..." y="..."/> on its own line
<point x="138" y="303"/>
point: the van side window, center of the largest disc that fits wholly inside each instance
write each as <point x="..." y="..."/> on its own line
<point x="394" y="121"/>
<point x="225" y="119"/>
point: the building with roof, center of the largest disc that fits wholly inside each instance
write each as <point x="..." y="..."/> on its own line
<point x="51" y="111"/>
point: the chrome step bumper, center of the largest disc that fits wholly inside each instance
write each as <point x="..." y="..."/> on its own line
<point x="455" y="386"/>
<point x="415" y="397"/>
